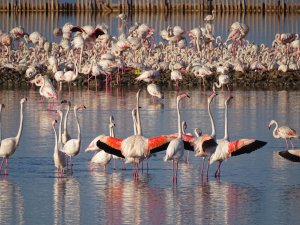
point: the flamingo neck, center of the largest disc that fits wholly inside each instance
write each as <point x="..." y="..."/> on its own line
<point x="134" y="123"/>
<point x="112" y="132"/>
<point x="275" y="134"/>
<point x="21" y="126"/>
<point x="226" y="122"/>
<point x="66" y="119"/>
<point x="78" y="126"/>
<point x="179" y="120"/>
<point x="139" y="126"/>
<point x="213" y="129"/>
<point x="56" y="145"/>
<point x="0" y="125"/>
<point x="60" y="128"/>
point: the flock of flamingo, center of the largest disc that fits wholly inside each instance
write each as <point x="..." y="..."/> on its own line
<point x="136" y="148"/>
<point x="93" y="51"/>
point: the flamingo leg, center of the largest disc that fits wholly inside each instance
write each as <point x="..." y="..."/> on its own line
<point x="218" y="171"/>
<point x="173" y="171"/>
<point x="291" y="143"/>
<point x="287" y="145"/>
<point x="114" y="164"/>
<point x="176" y="170"/>
<point x="202" y="166"/>
<point x="207" y="169"/>
<point x="187" y="157"/>
<point x="2" y="164"/>
<point x="6" y="166"/>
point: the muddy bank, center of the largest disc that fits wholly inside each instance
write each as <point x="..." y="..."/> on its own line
<point x="261" y="80"/>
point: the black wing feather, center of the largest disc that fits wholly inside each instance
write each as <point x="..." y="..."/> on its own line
<point x="249" y="148"/>
<point x="289" y="156"/>
<point x="109" y="149"/>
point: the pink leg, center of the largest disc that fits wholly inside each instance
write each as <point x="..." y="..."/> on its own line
<point x="287" y="145"/>
<point x="3" y="159"/>
<point x="207" y="169"/>
<point x="176" y="170"/>
<point x="187" y="157"/>
<point x="217" y="173"/>
<point x="202" y="166"/>
<point x="6" y="167"/>
<point x="173" y="171"/>
<point x="291" y="143"/>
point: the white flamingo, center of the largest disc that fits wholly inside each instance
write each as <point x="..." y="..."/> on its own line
<point x="9" y="145"/>
<point x="155" y="91"/>
<point x="175" y="149"/>
<point x="58" y="156"/>
<point x="72" y="147"/>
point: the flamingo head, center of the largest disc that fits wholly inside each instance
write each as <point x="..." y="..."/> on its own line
<point x="271" y="123"/>
<point x="111" y="122"/>
<point x="228" y="99"/>
<point x="23" y="100"/>
<point x="1" y="107"/>
<point x="183" y="95"/>
<point x="59" y="112"/>
<point x="54" y="122"/>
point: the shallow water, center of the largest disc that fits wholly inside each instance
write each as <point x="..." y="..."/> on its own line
<point x="259" y="188"/>
<point x="263" y="27"/>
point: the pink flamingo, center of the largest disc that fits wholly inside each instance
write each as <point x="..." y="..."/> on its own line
<point x="284" y="132"/>
<point x="227" y="149"/>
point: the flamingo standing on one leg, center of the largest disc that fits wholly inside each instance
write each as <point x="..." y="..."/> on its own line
<point x="284" y="132"/>
<point x="175" y="149"/>
<point x="72" y="147"/>
<point x="154" y="91"/>
<point x="227" y="149"/>
<point x="9" y="145"/>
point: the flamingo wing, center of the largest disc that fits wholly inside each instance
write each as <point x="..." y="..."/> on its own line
<point x="77" y="29"/>
<point x="243" y="146"/>
<point x="159" y="143"/>
<point x="291" y="155"/>
<point x="111" y="145"/>
<point x="97" y="32"/>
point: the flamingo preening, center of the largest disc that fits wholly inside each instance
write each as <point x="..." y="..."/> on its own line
<point x="227" y="149"/>
<point x="175" y="149"/>
<point x="284" y="132"/>
<point x="9" y="145"/>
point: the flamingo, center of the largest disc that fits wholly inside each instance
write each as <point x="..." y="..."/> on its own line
<point x="101" y="157"/>
<point x="58" y="156"/>
<point x="227" y="149"/>
<point x="70" y="76"/>
<point x="210" y="18"/>
<point x="9" y="145"/>
<point x="176" y="76"/>
<point x="135" y="147"/>
<point x="223" y="80"/>
<point x="72" y="147"/>
<point x="284" y="132"/>
<point x="205" y="145"/>
<point x="46" y="88"/>
<point x="155" y="91"/>
<point x="175" y="149"/>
